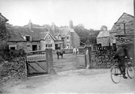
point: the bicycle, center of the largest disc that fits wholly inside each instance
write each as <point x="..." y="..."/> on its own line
<point x="116" y="73"/>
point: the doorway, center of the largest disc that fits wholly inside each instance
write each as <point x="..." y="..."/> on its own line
<point x="34" y="47"/>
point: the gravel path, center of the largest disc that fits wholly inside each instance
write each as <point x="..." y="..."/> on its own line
<point x="73" y="81"/>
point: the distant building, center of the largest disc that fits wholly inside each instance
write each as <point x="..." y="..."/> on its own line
<point x="32" y="38"/>
<point x="103" y="37"/>
<point x="49" y="41"/>
<point x="70" y="37"/>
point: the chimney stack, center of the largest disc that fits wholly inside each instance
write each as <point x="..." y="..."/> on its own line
<point x="30" y="25"/>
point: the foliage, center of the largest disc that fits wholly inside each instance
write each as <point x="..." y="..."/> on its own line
<point x="12" y="64"/>
<point x="13" y="69"/>
<point x="8" y="55"/>
<point x="3" y="32"/>
<point x="86" y="35"/>
<point x="103" y="27"/>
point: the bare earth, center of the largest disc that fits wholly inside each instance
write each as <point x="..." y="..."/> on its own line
<point x="71" y="81"/>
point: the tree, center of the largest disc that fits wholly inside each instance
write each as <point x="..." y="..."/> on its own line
<point x="3" y="31"/>
<point x="103" y="27"/>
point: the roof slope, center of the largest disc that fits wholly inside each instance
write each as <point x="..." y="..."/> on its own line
<point x="2" y="18"/>
<point x="43" y="35"/>
<point x="103" y="34"/>
<point x="14" y="35"/>
<point x="64" y="31"/>
<point x="118" y="26"/>
<point x="17" y="33"/>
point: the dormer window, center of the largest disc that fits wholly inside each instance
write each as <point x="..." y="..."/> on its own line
<point x="59" y="37"/>
<point x="28" y="38"/>
<point x="68" y="37"/>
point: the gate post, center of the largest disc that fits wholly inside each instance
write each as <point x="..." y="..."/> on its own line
<point x="88" y="62"/>
<point x="49" y="61"/>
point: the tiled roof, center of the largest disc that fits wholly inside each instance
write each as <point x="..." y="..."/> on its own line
<point x="24" y="31"/>
<point x="118" y="26"/>
<point x="103" y="34"/>
<point x="64" y="31"/>
<point x="2" y="18"/>
<point x="14" y="35"/>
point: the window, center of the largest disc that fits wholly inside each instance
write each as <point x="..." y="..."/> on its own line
<point x="34" y="47"/>
<point x="67" y="37"/>
<point x="48" y="39"/>
<point x="28" y="45"/>
<point x="67" y="46"/>
<point x="12" y="47"/>
<point x="27" y="38"/>
<point x="48" y="45"/>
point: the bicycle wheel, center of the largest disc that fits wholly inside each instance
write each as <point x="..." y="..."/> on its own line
<point x="131" y="71"/>
<point x="115" y="75"/>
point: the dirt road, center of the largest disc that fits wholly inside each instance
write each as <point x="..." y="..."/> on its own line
<point x="73" y="81"/>
<point x="68" y="62"/>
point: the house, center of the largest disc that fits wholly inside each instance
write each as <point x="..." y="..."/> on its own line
<point x="47" y="40"/>
<point x="103" y="37"/>
<point x="31" y="38"/>
<point x="123" y="26"/>
<point x="70" y="37"/>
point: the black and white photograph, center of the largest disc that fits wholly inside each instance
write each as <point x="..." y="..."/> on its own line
<point x="67" y="46"/>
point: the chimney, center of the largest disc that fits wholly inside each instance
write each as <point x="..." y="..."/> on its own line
<point x="30" y="25"/>
<point x="71" y="24"/>
<point x="53" y="27"/>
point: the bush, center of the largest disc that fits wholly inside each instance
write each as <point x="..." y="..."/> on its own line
<point x="13" y="64"/>
<point x="8" y="55"/>
<point x="13" y="69"/>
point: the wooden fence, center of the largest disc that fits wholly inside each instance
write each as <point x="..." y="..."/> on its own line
<point x="39" y="62"/>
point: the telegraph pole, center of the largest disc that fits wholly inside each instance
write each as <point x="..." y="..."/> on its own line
<point x="124" y="29"/>
<point x="134" y="28"/>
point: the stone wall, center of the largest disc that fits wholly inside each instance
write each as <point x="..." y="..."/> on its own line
<point x="13" y="66"/>
<point x="102" y="59"/>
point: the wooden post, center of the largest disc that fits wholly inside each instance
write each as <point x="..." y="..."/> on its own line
<point x="88" y="57"/>
<point x="90" y="63"/>
<point x="49" y="61"/>
<point x="124" y="28"/>
<point x="134" y="29"/>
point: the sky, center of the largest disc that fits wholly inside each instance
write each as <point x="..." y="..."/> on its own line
<point x="91" y="13"/>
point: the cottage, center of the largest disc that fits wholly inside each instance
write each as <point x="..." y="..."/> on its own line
<point x="49" y="41"/>
<point x="31" y="38"/>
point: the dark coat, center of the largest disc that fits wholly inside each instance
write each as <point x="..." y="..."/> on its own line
<point x="121" y="53"/>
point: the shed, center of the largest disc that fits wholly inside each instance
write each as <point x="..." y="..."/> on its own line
<point x="103" y="38"/>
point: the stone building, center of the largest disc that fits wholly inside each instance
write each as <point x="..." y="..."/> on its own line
<point x="122" y="32"/>
<point x="70" y="37"/>
<point x="123" y="26"/>
<point x="103" y="37"/>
